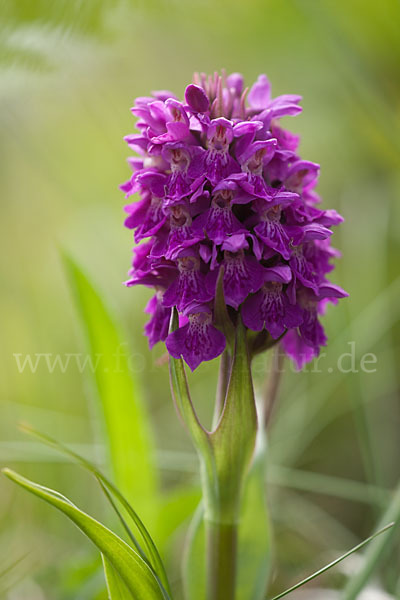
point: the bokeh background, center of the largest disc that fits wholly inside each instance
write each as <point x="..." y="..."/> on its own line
<point x="69" y="73"/>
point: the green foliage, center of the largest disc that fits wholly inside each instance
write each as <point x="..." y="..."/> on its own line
<point x="116" y="588"/>
<point x="137" y="575"/>
<point x="334" y="563"/>
<point x="127" y="427"/>
<point x="151" y="556"/>
<point x="376" y="550"/>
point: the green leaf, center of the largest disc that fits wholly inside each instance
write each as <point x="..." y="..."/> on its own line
<point x="152" y="557"/>
<point x="375" y="551"/>
<point x="127" y="426"/>
<point x="320" y="483"/>
<point x="333" y="563"/>
<point x="116" y="587"/>
<point x="137" y="575"/>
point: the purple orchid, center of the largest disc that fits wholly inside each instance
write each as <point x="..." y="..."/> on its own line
<point x="271" y="307"/>
<point x="198" y="340"/>
<point x="221" y="187"/>
<point x="243" y="273"/>
<point x="190" y="286"/>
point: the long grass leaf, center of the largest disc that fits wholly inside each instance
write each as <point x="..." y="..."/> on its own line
<point x="333" y="563"/>
<point x="128" y="429"/>
<point x="152" y="555"/>
<point x="375" y="552"/>
<point x="138" y="576"/>
<point x="116" y="587"/>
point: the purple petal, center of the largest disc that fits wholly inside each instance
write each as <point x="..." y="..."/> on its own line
<point x="260" y="93"/>
<point x="157" y="328"/>
<point x="189" y="286"/>
<point x="235" y="243"/>
<point x="197" y="341"/>
<point x="297" y="349"/>
<point x="312" y="331"/>
<point x="329" y="290"/>
<point x="235" y="83"/>
<point x="282" y="274"/>
<point x="163" y="95"/>
<point x="197" y="99"/>
<point x="247" y="128"/>
<point x="315" y="231"/>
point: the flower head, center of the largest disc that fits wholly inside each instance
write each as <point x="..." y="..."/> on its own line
<point x="221" y="186"/>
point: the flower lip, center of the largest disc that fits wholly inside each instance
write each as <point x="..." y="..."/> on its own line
<point x="188" y="263"/>
<point x="179" y="216"/>
<point x="223" y="198"/>
<point x="177" y="110"/>
<point x="220" y="133"/>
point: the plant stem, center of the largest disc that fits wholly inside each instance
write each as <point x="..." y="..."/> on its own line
<point x="223" y="380"/>
<point x="221" y="560"/>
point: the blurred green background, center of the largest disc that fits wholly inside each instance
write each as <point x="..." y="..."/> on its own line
<point x="69" y="73"/>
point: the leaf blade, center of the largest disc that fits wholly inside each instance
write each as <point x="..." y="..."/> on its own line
<point x="375" y="551"/>
<point x="333" y="563"/>
<point x="128" y="430"/>
<point x="137" y="575"/>
<point x="116" y="587"/>
<point x="108" y="487"/>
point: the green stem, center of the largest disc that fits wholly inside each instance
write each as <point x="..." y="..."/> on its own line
<point x="221" y="560"/>
<point x="225" y="455"/>
<point x="223" y="380"/>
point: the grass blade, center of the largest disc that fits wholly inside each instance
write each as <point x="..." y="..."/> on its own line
<point x="320" y="483"/>
<point x="122" y="520"/>
<point x="10" y="567"/>
<point x="128" y="429"/>
<point x="116" y="587"/>
<point x="152" y="556"/>
<point x="137" y="575"/>
<point x="375" y="551"/>
<point x="333" y="563"/>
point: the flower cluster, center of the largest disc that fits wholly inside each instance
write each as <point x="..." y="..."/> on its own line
<point x="221" y="185"/>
